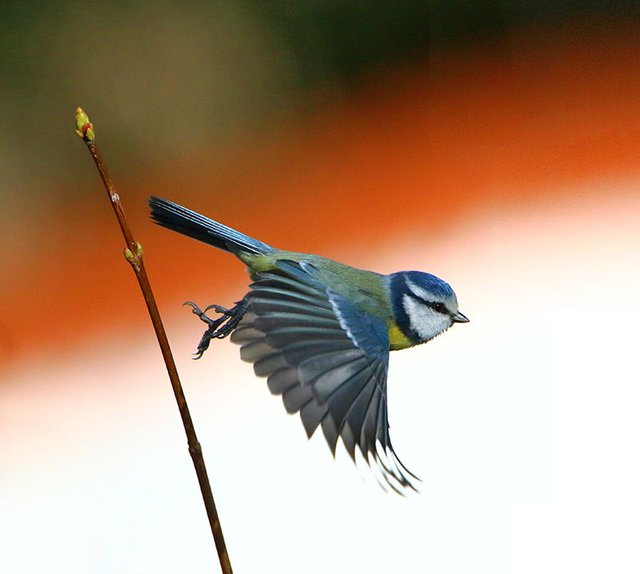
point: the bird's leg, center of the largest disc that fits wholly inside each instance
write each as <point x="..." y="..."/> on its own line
<point x="217" y="328"/>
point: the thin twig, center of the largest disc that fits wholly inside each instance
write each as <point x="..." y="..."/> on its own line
<point x="133" y="254"/>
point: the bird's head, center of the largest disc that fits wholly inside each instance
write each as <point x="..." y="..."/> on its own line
<point x="423" y="305"/>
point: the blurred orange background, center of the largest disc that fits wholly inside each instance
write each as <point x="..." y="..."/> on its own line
<point x="509" y="168"/>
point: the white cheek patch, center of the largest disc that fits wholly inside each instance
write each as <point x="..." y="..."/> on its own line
<point x="424" y="321"/>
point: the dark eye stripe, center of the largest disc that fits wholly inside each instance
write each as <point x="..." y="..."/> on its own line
<point x="437" y="306"/>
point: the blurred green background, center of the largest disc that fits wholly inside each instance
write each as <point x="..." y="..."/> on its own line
<point x="162" y="77"/>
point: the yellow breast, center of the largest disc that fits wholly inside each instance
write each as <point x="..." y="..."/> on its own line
<point x="397" y="339"/>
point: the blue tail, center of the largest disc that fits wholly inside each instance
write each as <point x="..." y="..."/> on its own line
<point x="183" y="220"/>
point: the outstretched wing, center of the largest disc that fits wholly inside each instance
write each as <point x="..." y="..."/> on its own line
<point x="327" y="359"/>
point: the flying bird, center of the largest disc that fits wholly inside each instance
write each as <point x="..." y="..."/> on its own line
<point x="321" y="331"/>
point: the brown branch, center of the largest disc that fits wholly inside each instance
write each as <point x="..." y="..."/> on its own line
<point x="133" y="254"/>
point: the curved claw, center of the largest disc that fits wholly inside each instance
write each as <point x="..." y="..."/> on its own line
<point x="202" y="315"/>
<point x="220" y="327"/>
<point x="194" y="308"/>
<point x="217" y="309"/>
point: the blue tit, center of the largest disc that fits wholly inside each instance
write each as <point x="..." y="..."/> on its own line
<point x="321" y="332"/>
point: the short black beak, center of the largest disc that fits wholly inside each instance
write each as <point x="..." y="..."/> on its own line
<point x="460" y="318"/>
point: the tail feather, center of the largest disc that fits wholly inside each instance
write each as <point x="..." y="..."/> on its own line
<point x="177" y="218"/>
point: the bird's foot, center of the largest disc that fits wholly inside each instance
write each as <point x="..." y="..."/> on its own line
<point x="217" y="328"/>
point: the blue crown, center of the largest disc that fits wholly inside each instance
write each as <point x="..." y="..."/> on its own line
<point x="428" y="282"/>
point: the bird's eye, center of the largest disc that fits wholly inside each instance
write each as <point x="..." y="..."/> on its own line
<point x="437" y="306"/>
